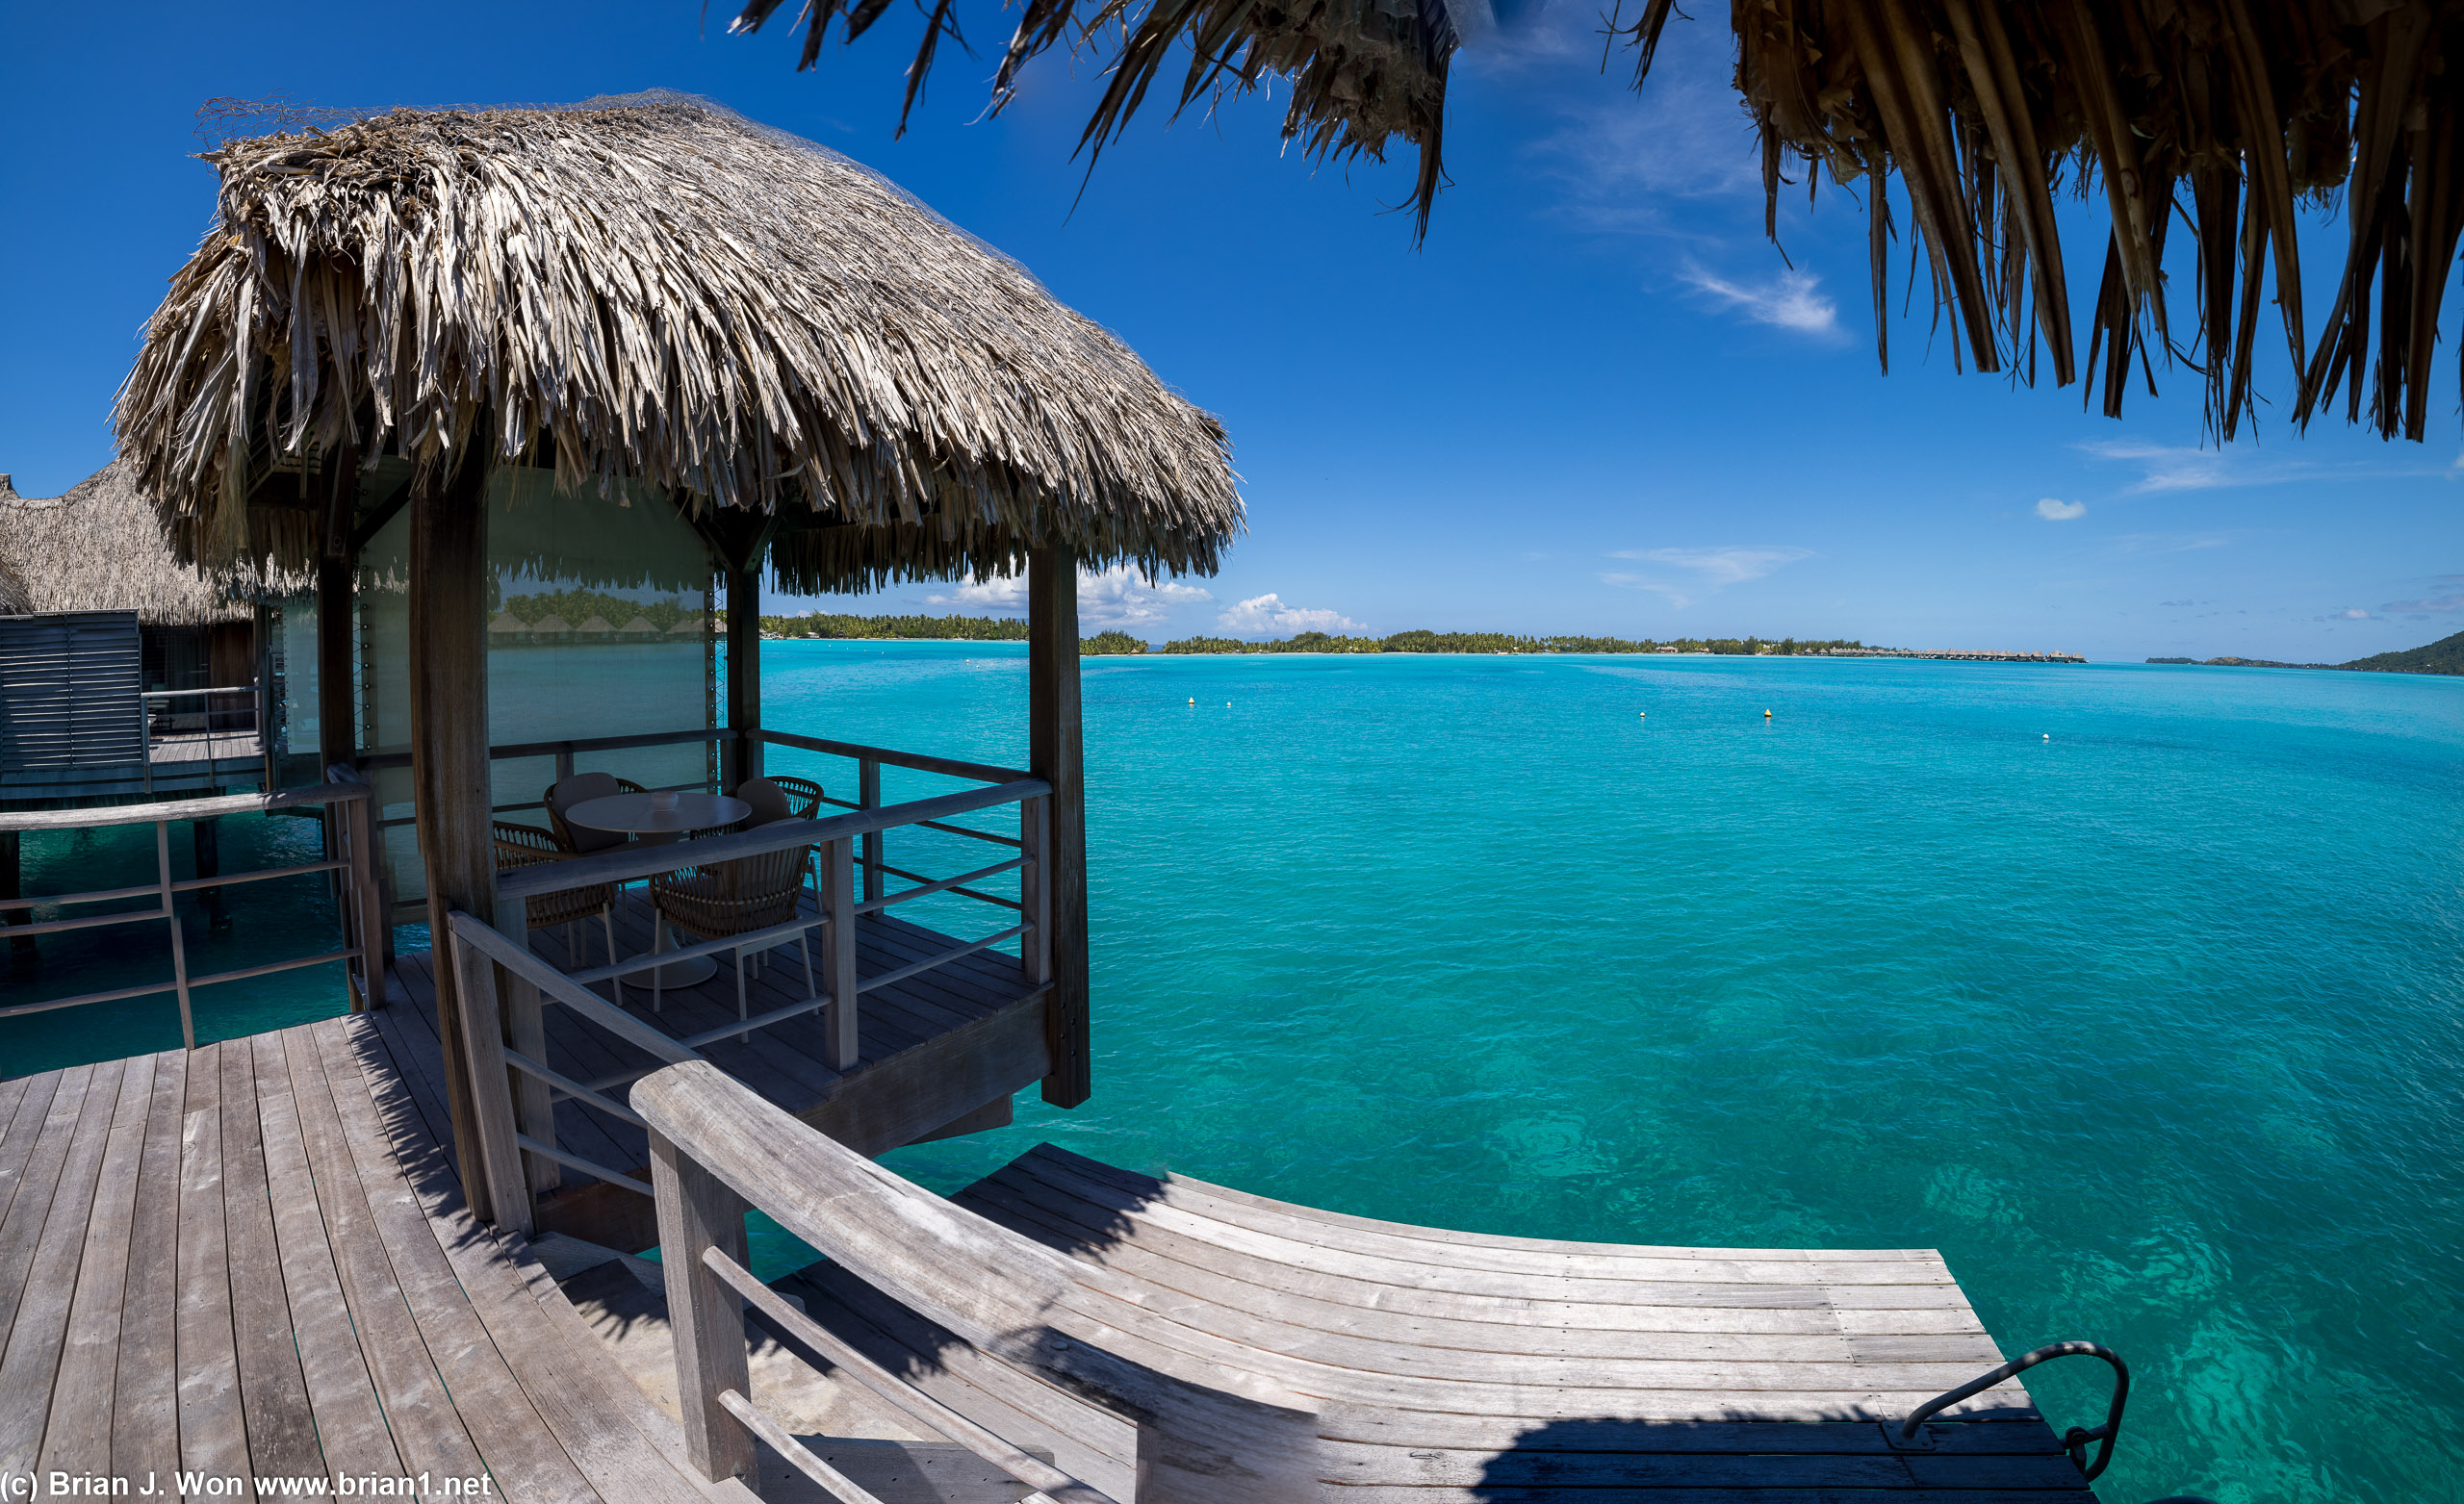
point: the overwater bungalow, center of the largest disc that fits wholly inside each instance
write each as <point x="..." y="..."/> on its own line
<point x="436" y="361"/>
<point x="126" y="671"/>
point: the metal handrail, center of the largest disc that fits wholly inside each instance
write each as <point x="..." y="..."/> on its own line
<point x="359" y="911"/>
<point x="2074" y="1440"/>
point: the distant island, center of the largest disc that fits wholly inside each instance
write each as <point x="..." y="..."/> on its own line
<point x="1422" y="641"/>
<point x="962" y="628"/>
<point x="2443" y="657"/>
<point x="993" y="628"/>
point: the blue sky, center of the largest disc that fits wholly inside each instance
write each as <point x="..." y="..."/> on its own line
<point x="1596" y="401"/>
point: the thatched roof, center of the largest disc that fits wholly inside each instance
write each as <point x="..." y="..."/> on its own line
<point x="653" y="290"/>
<point x="101" y="547"/>
<point x="2229" y="114"/>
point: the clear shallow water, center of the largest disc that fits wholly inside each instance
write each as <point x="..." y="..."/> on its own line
<point x="270" y="920"/>
<point x="2155" y="1029"/>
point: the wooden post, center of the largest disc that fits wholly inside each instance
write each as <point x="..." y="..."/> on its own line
<point x="840" y="1039"/>
<point x="491" y="1088"/>
<point x="1055" y="738"/>
<point x="179" y="944"/>
<point x="706" y="1318"/>
<point x="1035" y="949"/>
<point x="336" y="664"/>
<point x="740" y="540"/>
<point x="448" y="693"/>
<point x="11" y="881"/>
<point x="205" y="848"/>
<point x="869" y="795"/>
<point x="375" y="923"/>
<point x="337" y="652"/>
<point x="744" y="673"/>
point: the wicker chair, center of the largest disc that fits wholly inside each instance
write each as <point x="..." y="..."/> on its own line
<point x="805" y="793"/>
<point x="527" y="846"/>
<point x="732" y="897"/>
<point x="569" y="792"/>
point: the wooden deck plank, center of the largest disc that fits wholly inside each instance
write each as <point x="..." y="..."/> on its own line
<point x="410" y="1039"/>
<point x="341" y="1397"/>
<point x="22" y="1129"/>
<point x="392" y="1022"/>
<point x="145" y="1415"/>
<point x="1553" y="1493"/>
<point x="1537" y="1458"/>
<point x="596" y="1434"/>
<point x="273" y="1394"/>
<point x="1260" y="1222"/>
<point x="427" y="1431"/>
<point x="497" y="1415"/>
<point x="1704" y="1333"/>
<point x="1577" y="1280"/>
<point x="41" y="1330"/>
<point x="78" y="1439"/>
<point x="214" y="1430"/>
<point x="975" y="984"/>
<point x="1408" y="1430"/>
<point x="1092" y="1444"/>
<point x="1200" y="1195"/>
<point x="1092" y="1234"/>
<point x="39" y="1179"/>
<point x="12" y="1090"/>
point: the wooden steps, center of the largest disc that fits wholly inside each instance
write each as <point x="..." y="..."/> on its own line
<point x="1461" y="1366"/>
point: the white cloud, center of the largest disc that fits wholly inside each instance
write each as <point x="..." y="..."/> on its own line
<point x="1117" y="600"/>
<point x="1712" y="567"/>
<point x="1789" y="300"/>
<point x="2054" y="510"/>
<point x="1003" y="595"/>
<point x="1267" y="613"/>
<point x="2357" y="614"/>
<point x="2181" y="468"/>
<point x="2431" y="604"/>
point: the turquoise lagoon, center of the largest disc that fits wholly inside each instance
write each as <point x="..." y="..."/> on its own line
<point x="2154" y="1028"/>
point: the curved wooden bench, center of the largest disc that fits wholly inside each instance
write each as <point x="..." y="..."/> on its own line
<point x="1064" y="1304"/>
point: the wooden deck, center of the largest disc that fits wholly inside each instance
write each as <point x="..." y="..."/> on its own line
<point x="252" y="1261"/>
<point x="940" y="1052"/>
<point x="1460" y="1368"/>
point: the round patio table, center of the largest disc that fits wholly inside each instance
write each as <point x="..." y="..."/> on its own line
<point x="634" y="815"/>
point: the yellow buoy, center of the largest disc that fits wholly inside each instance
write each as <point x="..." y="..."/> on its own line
<point x="1766" y="715"/>
<point x="1192" y="700"/>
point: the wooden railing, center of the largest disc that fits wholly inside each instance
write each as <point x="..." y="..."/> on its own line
<point x="718" y="1150"/>
<point x="507" y="1031"/>
<point x="359" y="901"/>
<point x="869" y="762"/>
<point x="478" y="949"/>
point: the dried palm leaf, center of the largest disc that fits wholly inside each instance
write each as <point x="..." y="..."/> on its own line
<point x="1978" y="107"/>
<point x="653" y="292"/>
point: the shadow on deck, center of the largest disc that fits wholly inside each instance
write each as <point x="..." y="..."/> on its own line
<point x="940" y="1052"/>
<point x="250" y="1260"/>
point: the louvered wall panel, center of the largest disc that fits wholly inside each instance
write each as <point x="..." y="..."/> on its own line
<point x="69" y="688"/>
